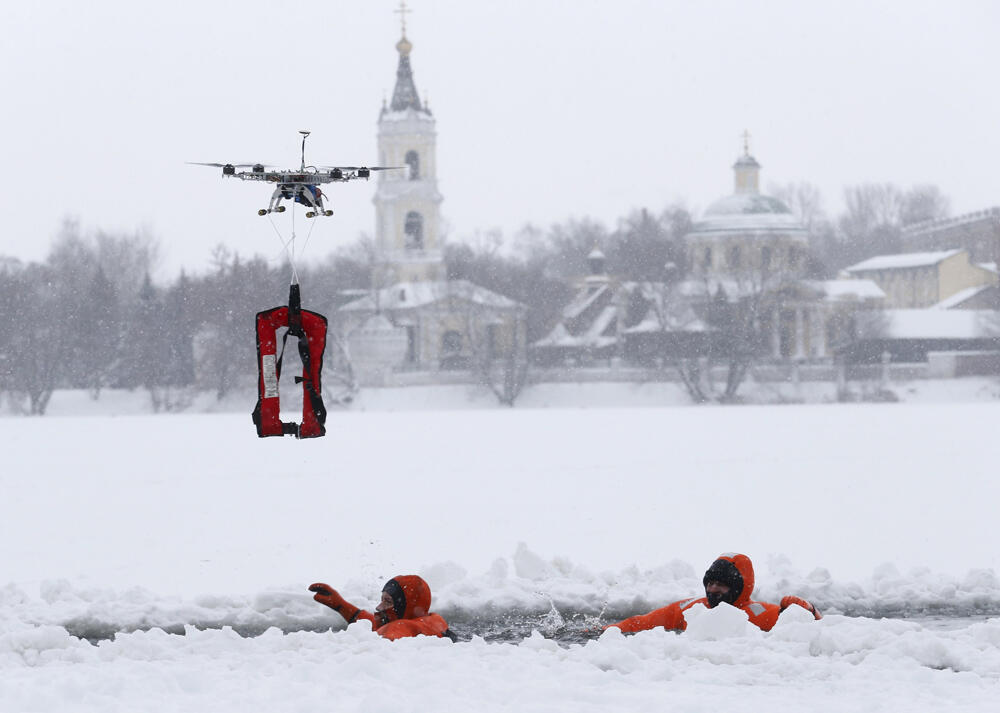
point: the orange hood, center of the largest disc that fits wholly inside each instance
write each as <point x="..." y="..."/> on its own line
<point x="411" y="596"/>
<point x="744" y="567"/>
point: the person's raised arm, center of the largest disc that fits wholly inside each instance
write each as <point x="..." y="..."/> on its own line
<point x="325" y="594"/>
<point x="789" y="601"/>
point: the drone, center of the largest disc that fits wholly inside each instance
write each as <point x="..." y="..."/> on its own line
<point x="300" y="185"/>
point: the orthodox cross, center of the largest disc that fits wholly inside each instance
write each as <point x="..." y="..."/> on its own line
<point x="746" y="142"/>
<point x="403" y="10"/>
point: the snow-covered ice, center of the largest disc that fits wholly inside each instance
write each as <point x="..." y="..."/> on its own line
<point x="161" y="562"/>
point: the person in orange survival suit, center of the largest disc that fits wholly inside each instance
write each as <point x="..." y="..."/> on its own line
<point x="404" y="609"/>
<point x="730" y="580"/>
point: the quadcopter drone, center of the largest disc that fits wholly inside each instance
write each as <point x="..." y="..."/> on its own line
<point x="300" y="185"/>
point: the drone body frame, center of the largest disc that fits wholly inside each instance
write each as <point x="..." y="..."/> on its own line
<point x="301" y="185"/>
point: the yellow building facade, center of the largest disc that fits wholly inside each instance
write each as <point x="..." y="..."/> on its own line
<point x="922" y="280"/>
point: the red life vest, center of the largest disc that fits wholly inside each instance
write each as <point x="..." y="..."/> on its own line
<point x="310" y="328"/>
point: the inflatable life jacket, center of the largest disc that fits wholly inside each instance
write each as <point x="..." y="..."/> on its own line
<point x="310" y="328"/>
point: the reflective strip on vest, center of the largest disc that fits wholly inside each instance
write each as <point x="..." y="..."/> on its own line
<point x="757" y="608"/>
<point x="269" y="373"/>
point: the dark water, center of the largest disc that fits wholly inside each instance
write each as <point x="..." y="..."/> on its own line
<point x="503" y="627"/>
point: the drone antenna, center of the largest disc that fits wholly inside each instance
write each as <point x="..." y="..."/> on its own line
<point x="304" y="135"/>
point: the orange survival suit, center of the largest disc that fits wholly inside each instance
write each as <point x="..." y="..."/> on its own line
<point x="733" y="570"/>
<point x="408" y="615"/>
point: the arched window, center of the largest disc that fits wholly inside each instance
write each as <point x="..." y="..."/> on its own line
<point x="413" y="161"/>
<point x="734" y="257"/>
<point x="451" y="351"/>
<point x="451" y="342"/>
<point x="765" y="257"/>
<point x="707" y="259"/>
<point x="414" y="231"/>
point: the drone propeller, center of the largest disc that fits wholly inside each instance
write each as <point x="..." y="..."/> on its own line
<point x="358" y="168"/>
<point x="235" y="165"/>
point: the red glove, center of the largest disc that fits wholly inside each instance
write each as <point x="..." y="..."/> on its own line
<point x="789" y="601"/>
<point x="325" y="594"/>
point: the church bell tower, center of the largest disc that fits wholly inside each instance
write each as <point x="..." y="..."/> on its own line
<point x="407" y="202"/>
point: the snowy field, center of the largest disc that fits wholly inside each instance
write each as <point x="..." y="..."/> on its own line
<point x="161" y="562"/>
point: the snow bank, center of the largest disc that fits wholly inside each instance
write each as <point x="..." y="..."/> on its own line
<point x="835" y="664"/>
<point x="514" y="595"/>
<point x="583" y="394"/>
<point x="161" y="563"/>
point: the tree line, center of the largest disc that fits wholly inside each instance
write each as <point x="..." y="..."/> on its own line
<point x="90" y="317"/>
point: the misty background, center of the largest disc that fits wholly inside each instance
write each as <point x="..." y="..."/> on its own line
<point x="561" y="126"/>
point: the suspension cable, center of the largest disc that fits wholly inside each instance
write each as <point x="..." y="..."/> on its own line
<point x="288" y="246"/>
<point x="312" y="225"/>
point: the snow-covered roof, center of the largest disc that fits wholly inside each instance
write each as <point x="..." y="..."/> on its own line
<point x="855" y="289"/>
<point x="600" y="325"/>
<point x="961" y="296"/>
<point x="989" y="267"/>
<point x="748" y="213"/>
<point x="936" y="224"/>
<point x="583" y="299"/>
<point x="938" y="324"/>
<point x="902" y="261"/>
<point x="592" y="337"/>
<point x="686" y="321"/>
<point x="747" y="203"/>
<point x="409" y="295"/>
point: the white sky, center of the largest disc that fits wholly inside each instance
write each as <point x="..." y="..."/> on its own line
<point x="546" y="109"/>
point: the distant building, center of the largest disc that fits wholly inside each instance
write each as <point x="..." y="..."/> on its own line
<point x="414" y="318"/>
<point x="407" y="202"/>
<point x="444" y="324"/>
<point x="910" y="335"/>
<point x="978" y="233"/>
<point x="749" y="246"/>
<point x="747" y="233"/>
<point x="745" y="247"/>
<point x="920" y="280"/>
<point x="609" y="318"/>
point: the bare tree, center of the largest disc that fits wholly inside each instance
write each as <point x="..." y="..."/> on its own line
<point x="126" y="258"/>
<point x="870" y="224"/>
<point x="875" y="214"/>
<point x="923" y="202"/>
<point x="229" y="298"/>
<point x="340" y="382"/>
<point x="803" y="199"/>
<point x="502" y="368"/>
<point x="35" y="350"/>
<point x="740" y="309"/>
<point x="100" y="339"/>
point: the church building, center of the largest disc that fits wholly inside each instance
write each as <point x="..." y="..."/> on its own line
<point x="748" y="246"/>
<point x="414" y="318"/>
<point x="746" y="255"/>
